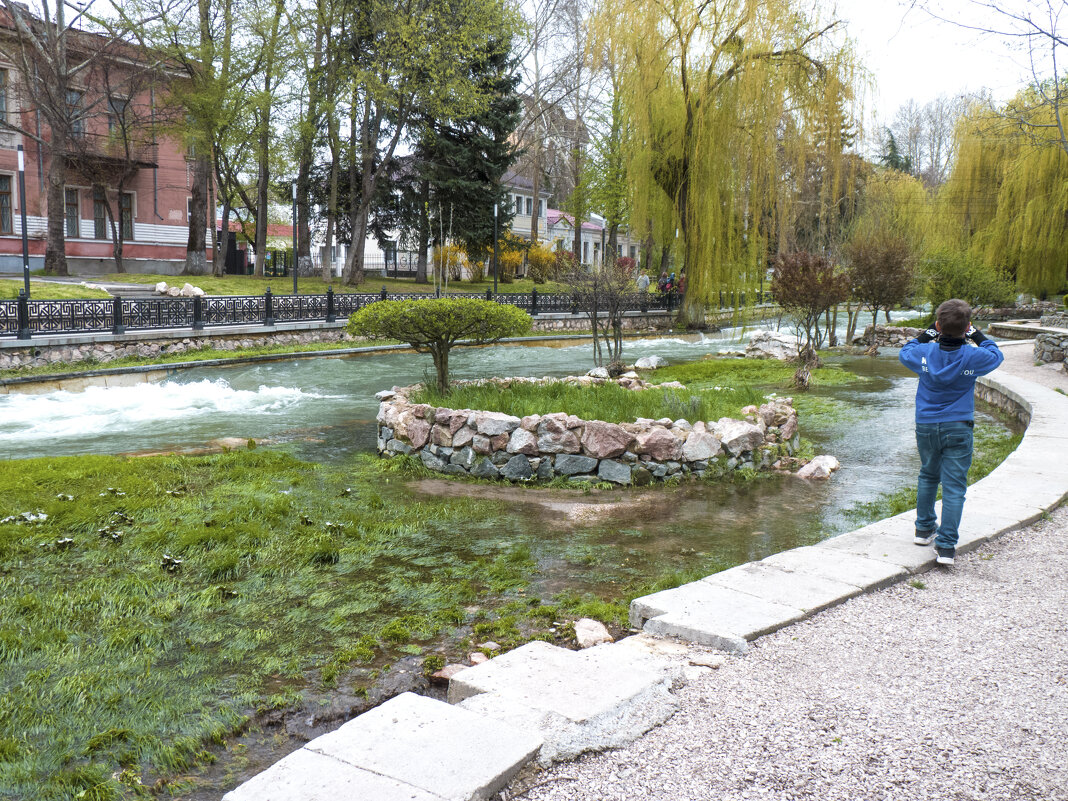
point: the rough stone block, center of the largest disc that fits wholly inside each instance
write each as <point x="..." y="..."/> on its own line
<point x="517" y="469"/>
<point x="616" y="472"/>
<point x="571" y="464"/>
<point x="447" y="751"/>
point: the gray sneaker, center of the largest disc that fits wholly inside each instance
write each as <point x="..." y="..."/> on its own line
<point x="944" y="556"/>
<point x="924" y="537"/>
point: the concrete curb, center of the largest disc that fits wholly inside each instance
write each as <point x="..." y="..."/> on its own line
<point x="531" y="688"/>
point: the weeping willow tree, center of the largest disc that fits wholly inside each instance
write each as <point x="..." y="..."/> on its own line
<point x="722" y="96"/>
<point x="1006" y="201"/>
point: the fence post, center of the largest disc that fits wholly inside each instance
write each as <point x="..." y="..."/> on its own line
<point x="533" y="301"/>
<point x="117" y="326"/>
<point x="330" y="314"/>
<point x="385" y="293"/>
<point x="268" y="307"/>
<point x="198" y="313"/>
<point x="489" y="294"/>
<point x="22" y="315"/>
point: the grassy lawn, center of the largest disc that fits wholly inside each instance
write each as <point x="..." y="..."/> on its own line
<point x="608" y="402"/>
<point x="250" y="285"/>
<point x="724" y="374"/>
<point x="46" y="290"/>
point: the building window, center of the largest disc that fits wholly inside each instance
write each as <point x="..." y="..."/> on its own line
<point x="100" y="215"/>
<point x="116" y="113"/>
<point x="5" y="205"/>
<point x="585" y="252"/>
<point x="541" y="205"/>
<point x="188" y="209"/>
<point x="633" y="251"/>
<point x="126" y="215"/>
<point x="518" y="204"/>
<point x="70" y="198"/>
<point x="530" y="206"/>
<point x="3" y="94"/>
<point x="74" y="106"/>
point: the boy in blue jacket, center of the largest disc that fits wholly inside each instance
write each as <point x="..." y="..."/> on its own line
<point x="945" y="414"/>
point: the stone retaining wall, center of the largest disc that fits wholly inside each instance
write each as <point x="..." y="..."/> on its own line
<point x="887" y="336"/>
<point x="150" y="346"/>
<point x="542" y="447"/>
<point x="1052" y="346"/>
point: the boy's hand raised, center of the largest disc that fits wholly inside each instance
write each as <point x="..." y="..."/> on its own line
<point x="929" y="335"/>
<point x="974" y="334"/>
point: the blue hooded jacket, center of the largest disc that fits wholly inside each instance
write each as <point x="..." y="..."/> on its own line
<point x="947" y="372"/>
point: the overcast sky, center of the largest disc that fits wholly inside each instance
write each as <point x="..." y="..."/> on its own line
<point x="913" y="56"/>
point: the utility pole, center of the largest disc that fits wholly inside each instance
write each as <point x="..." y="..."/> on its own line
<point x="495" y="248"/>
<point x="22" y="213"/>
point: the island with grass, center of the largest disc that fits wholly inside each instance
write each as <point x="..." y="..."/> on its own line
<point x="618" y="431"/>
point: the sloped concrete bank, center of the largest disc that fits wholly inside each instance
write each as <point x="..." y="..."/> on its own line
<point x="546" y="703"/>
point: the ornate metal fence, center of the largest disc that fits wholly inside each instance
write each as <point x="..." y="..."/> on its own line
<point x="22" y="318"/>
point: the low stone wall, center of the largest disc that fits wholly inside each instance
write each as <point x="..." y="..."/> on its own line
<point x="1026" y="311"/>
<point x="104" y="348"/>
<point x="150" y="346"/>
<point x="542" y="447"/>
<point x="887" y="336"/>
<point x="1052" y="346"/>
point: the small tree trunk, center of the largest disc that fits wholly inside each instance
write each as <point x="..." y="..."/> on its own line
<point x="440" y="353"/>
<point x="424" y="234"/>
<point x="224" y="243"/>
<point x="56" y="243"/>
<point x="196" y="259"/>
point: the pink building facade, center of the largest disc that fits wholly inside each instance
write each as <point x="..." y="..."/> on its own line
<point x="147" y="176"/>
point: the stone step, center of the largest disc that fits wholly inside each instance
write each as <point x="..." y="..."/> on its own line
<point x="711" y="615"/>
<point x="577" y="701"/>
<point x="411" y="747"/>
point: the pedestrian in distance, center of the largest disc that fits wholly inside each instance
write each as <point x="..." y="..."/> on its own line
<point x="947" y="366"/>
<point x="643" y="281"/>
<point x="662" y="283"/>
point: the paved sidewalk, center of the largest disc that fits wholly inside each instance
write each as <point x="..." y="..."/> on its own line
<point x="1020" y="361"/>
<point x="953" y="686"/>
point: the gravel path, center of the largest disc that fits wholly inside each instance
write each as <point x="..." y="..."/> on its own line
<point x="953" y="686"/>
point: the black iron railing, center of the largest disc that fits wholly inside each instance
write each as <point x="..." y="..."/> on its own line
<point x="24" y="318"/>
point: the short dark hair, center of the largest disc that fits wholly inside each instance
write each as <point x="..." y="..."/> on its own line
<point x="954" y="317"/>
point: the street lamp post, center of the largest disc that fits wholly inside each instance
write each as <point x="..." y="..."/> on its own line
<point x="495" y="248"/>
<point x="294" y="237"/>
<point x="22" y="212"/>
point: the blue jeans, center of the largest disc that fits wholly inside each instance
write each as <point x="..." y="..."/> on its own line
<point x="945" y="456"/>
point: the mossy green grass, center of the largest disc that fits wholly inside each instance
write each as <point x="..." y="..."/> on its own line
<point x="49" y="290"/>
<point x="608" y="402"/>
<point x="167" y="603"/>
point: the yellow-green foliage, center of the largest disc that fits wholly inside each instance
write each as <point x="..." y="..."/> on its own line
<point x="541" y="264"/>
<point x="1007" y="197"/>
<point x="895" y="205"/>
<point x="718" y="124"/>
